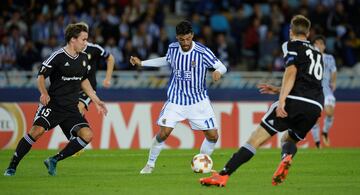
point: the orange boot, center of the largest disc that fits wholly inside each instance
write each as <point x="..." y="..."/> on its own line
<point x="215" y="179"/>
<point x="282" y="170"/>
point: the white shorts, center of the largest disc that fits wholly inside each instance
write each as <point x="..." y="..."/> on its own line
<point x="330" y="100"/>
<point x="200" y="115"/>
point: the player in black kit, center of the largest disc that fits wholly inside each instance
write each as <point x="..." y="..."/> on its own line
<point x="67" y="69"/>
<point x="95" y="54"/>
<point x="297" y="110"/>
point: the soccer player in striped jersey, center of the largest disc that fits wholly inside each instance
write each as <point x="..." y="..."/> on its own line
<point x="299" y="106"/>
<point x="329" y="86"/>
<point x="187" y="94"/>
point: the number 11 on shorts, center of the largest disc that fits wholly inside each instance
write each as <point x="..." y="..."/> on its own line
<point x="209" y="122"/>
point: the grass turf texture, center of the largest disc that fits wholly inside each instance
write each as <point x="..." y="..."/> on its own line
<point x="324" y="171"/>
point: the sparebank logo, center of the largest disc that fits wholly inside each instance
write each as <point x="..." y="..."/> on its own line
<point x="12" y="125"/>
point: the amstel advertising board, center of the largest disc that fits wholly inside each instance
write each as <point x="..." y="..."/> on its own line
<point x="133" y="125"/>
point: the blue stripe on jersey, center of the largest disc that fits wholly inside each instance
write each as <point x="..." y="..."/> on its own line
<point x="176" y="86"/>
<point x="186" y="83"/>
<point x="200" y="73"/>
<point x="192" y="92"/>
<point x="181" y="87"/>
<point x="188" y="78"/>
<point x="170" y="85"/>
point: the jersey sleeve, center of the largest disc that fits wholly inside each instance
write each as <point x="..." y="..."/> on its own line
<point x="209" y="58"/>
<point x="290" y="53"/>
<point x="49" y="65"/>
<point x="168" y="55"/>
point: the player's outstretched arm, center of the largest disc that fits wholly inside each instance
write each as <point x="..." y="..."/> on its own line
<point x="100" y="105"/>
<point x="265" y="88"/>
<point x="110" y="63"/>
<point x="220" y="69"/>
<point x="155" y="62"/>
<point x="44" y="97"/>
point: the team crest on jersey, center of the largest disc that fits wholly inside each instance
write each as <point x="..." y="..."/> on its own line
<point x="164" y="121"/>
<point x="89" y="56"/>
<point x="84" y="63"/>
<point x="193" y="63"/>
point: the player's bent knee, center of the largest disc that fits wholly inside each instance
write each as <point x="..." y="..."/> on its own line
<point x="164" y="135"/>
<point x="213" y="137"/>
<point x="86" y="134"/>
<point x="329" y="111"/>
<point x="164" y="132"/>
<point x="36" y="132"/>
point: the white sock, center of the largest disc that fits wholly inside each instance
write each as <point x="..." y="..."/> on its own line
<point x="154" y="152"/>
<point x="207" y="147"/>
<point x="316" y="132"/>
<point x="328" y="121"/>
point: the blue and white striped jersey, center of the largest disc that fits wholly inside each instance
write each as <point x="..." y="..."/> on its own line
<point x="329" y="69"/>
<point x="187" y="83"/>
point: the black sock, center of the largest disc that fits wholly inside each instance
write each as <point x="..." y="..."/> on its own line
<point x="243" y="155"/>
<point x="288" y="148"/>
<point x="71" y="148"/>
<point x="22" y="149"/>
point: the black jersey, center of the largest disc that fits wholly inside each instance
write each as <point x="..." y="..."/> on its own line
<point x="309" y="64"/>
<point x="95" y="54"/>
<point x="66" y="74"/>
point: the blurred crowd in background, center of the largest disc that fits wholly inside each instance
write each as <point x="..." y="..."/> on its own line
<point x="244" y="34"/>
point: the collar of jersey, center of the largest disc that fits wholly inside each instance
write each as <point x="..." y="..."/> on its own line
<point x="70" y="56"/>
<point x="306" y="41"/>
<point x="192" y="47"/>
<point x="85" y="47"/>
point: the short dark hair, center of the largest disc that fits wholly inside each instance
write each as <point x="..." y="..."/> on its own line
<point x="318" y="37"/>
<point x="74" y="30"/>
<point x="300" y="25"/>
<point x="183" y="28"/>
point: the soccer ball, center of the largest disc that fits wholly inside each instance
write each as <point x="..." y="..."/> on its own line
<point x="201" y="163"/>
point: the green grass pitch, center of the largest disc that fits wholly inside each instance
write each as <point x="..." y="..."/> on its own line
<point x="324" y="171"/>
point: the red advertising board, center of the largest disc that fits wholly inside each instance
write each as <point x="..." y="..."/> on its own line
<point x="133" y="125"/>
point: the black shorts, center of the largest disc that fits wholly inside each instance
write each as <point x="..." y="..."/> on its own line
<point x="49" y="117"/>
<point x="85" y="99"/>
<point x="302" y="116"/>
